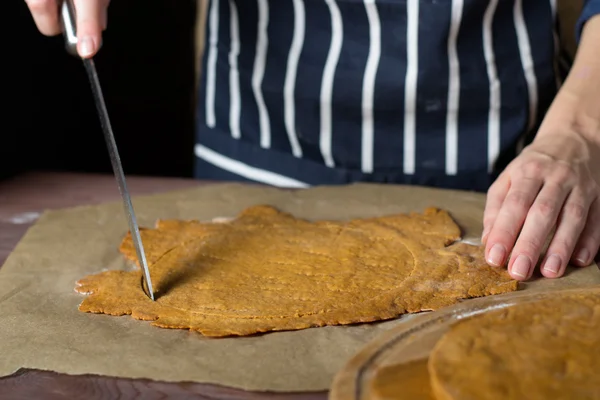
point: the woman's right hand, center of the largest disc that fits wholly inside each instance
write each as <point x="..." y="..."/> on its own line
<point x="91" y="21"/>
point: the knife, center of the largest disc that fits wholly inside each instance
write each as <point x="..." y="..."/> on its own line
<point x="67" y="14"/>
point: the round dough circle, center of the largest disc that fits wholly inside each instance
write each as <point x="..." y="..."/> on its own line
<point x="544" y="349"/>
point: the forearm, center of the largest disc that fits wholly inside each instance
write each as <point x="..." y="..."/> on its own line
<point x="577" y="104"/>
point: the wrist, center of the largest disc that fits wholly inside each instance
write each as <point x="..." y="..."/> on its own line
<point x="575" y="107"/>
<point x="570" y="113"/>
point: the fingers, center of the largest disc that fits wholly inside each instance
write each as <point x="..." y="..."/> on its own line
<point x="494" y="199"/>
<point x="45" y="16"/>
<point x="589" y="241"/>
<point x="541" y="218"/>
<point x="510" y="219"/>
<point x="91" y="19"/>
<point x="571" y="223"/>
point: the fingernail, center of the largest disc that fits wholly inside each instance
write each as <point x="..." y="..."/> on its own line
<point x="583" y="257"/>
<point x="521" y="266"/>
<point x="497" y="254"/>
<point x="552" y="264"/>
<point x="86" y="46"/>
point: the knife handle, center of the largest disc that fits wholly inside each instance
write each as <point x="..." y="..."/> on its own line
<point x="68" y="20"/>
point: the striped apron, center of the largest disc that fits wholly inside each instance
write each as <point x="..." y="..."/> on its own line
<point x="442" y="93"/>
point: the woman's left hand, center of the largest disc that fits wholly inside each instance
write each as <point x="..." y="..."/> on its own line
<point x="551" y="191"/>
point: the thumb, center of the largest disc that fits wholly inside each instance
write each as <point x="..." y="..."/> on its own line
<point x="90" y="24"/>
<point x="494" y="200"/>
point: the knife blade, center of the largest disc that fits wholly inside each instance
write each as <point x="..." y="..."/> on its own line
<point x="70" y="33"/>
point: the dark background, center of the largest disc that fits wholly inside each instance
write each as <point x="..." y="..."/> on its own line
<point x="147" y="70"/>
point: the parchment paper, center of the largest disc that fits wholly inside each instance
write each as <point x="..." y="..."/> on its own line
<point x="41" y="328"/>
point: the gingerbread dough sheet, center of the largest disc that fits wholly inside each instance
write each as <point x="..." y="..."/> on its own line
<point x="545" y="349"/>
<point x="268" y="270"/>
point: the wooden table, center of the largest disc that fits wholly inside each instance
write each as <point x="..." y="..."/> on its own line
<point x="22" y="199"/>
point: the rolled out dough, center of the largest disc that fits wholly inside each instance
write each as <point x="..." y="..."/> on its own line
<point x="543" y="349"/>
<point x="269" y="271"/>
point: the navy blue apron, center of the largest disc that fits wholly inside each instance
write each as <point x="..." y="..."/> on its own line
<point x="296" y="93"/>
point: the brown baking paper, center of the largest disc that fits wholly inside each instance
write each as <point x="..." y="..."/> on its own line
<point x="41" y="328"/>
